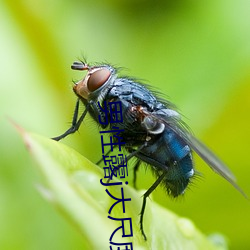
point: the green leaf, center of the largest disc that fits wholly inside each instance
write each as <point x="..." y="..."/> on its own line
<point x="73" y="186"/>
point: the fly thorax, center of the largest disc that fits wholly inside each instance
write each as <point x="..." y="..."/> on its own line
<point x="168" y="113"/>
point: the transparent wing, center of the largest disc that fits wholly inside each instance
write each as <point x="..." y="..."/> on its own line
<point x="175" y="124"/>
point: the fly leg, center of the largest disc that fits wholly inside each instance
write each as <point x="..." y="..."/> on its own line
<point x="75" y="123"/>
<point x="145" y="196"/>
<point x="136" y="167"/>
<point x="138" y="162"/>
<point x="97" y="163"/>
<point x="132" y="154"/>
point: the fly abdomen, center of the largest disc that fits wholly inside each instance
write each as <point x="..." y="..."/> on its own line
<point x="180" y="166"/>
<point x="177" y="147"/>
<point x="178" y="176"/>
<point x="168" y="153"/>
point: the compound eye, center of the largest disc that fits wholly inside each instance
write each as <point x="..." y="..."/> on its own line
<point x="97" y="79"/>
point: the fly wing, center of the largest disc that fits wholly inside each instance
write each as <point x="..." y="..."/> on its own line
<point x="208" y="156"/>
<point x="175" y="124"/>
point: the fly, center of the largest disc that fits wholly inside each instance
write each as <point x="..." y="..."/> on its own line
<point x="152" y="129"/>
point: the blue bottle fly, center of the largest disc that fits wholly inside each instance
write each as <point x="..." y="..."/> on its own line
<point x="152" y="129"/>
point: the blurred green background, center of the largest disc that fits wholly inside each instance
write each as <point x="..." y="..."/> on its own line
<point x="196" y="52"/>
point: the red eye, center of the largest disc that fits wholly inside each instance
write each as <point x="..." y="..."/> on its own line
<point x="97" y="79"/>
